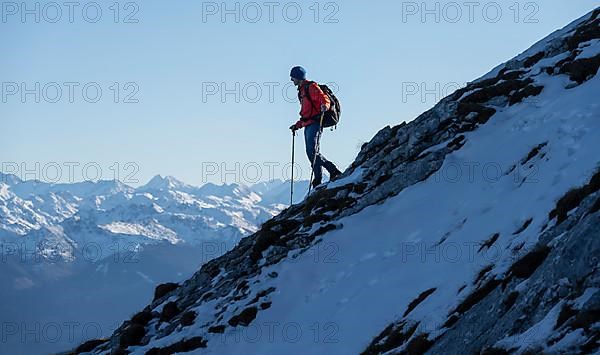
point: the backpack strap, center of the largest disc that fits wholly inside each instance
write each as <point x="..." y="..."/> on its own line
<point x="307" y="94"/>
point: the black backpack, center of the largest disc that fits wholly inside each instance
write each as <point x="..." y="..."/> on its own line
<point x="332" y="116"/>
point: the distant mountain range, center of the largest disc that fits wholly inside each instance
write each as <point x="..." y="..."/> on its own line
<point x="53" y="221"/>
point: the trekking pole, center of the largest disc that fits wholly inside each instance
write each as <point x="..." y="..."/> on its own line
<point x="310" y="181"/>
<point x="317" y="148"/>
<point x="292" y="180"/>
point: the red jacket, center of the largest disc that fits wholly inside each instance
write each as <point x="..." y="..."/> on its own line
<point x="311" y="108"/>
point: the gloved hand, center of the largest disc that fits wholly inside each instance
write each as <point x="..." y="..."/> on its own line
<point x="296" y="126"/>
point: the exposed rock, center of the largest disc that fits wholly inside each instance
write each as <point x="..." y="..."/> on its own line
<point x="169" y="311"/>
<point x="142" y="318"/>
<point x="581" y="70"/>
<point x="89" y="345"/>
<point x="188" y="318"/>
<point x="216" y="329"/>
<point x="414" y="303"/>
<point x="163" y="289"/>
<point x="574" y="197"/>
<point x="244" y="318"/>
<point x="182" y="346"/>
<point x="132" y="335"/>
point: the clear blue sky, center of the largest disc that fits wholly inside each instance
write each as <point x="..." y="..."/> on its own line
<point x="374" y="52"/>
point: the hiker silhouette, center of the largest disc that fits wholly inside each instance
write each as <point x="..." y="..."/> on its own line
<point x="315" y="106"/>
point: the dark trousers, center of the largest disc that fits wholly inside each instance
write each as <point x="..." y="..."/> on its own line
<point x="312" y="135"/>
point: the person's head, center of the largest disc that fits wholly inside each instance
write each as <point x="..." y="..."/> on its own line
<point x="298" y="74"/>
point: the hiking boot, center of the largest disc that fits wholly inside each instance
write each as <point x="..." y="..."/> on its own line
<point x="334" y="175"/>
<point x="316" y="183"/>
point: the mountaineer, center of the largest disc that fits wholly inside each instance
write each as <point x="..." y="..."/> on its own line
<point x="319" y="109"/>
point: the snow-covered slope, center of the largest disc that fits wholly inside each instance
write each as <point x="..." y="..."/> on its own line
<point x="474" y="228"/>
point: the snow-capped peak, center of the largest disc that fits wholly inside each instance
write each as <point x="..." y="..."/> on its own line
<point x="164" y="183"/>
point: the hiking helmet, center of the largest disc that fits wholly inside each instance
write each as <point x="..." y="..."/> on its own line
<point x="298" y="73"/>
